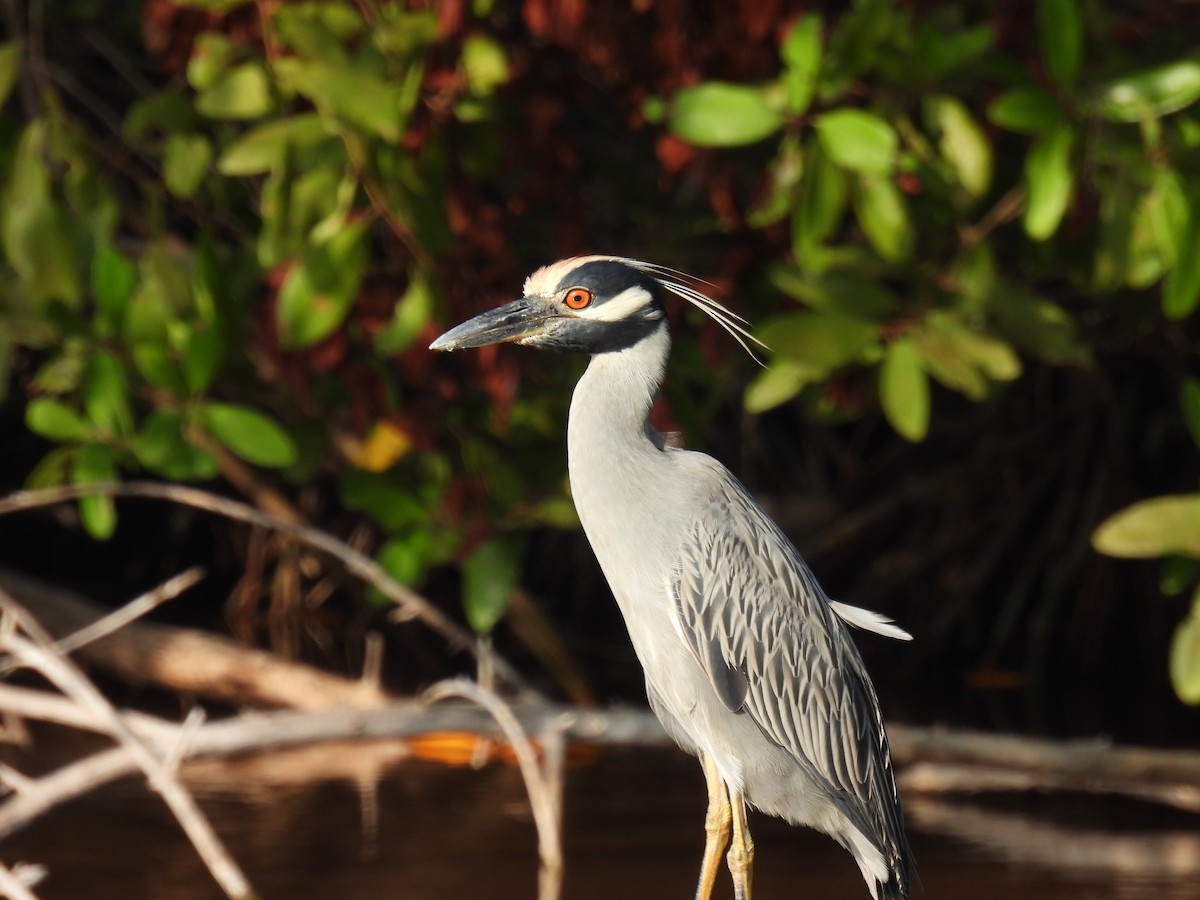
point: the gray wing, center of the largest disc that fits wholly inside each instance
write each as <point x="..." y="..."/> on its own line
<point x="763" y="630"/>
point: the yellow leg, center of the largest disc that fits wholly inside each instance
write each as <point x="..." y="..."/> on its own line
<point x="716" y="827"/>
<point x="741" y="852"/>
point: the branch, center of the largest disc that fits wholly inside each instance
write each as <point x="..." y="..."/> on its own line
<point x="38" y="651"/>
<point x="410" y="602"/>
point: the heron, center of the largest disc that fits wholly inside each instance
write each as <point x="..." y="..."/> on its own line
<point x="749" y="665"/>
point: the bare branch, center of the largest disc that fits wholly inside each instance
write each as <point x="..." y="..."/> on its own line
<point x="356" y="563"/>
<point x="41" y="654"/>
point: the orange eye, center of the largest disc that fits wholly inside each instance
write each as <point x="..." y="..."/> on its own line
<point x="578" y="298"/>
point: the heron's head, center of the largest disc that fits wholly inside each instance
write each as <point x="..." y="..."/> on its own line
<point x="589" y="304"/>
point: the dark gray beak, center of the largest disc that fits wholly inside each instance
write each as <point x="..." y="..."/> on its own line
<point x="511" y="322"/>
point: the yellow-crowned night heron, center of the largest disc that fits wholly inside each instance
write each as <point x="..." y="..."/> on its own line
<point x="748" y="664"/>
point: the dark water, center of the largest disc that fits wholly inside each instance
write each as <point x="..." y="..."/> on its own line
<point x="356" y="822"/>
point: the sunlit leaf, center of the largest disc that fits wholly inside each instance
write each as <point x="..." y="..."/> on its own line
<point x="54" y="421"/>
<point x="1181" y="289"/>
<point x="1151" y="93"/>
<point x="489" y="576"/>
<point x="113" y="279"/>
<point x="1060" y="35"/>
<point x="963" y="144"/>
<point x="1154" y="527"/>
<point x="819" y="342"/>
<point x="319" y="289"/>
<point x="185" y="163"/>
<point x="106" y="399"/>
<point x="1025" y="110"/>
<point x="858" y="139"/>
<point x="778" y="383"/>
<point x="263" y="147"/>
<point x="904" y="391"/>
<point x="359" y="98"/>
<point x="249" y="434"/>
<point x="883" y="215"/>
<point x="384" y="445"/>
<point x="484" y="64"/>
<point x="406" y="558"/>
<point x="719" y="114"/>
<point x="801" y="53"/>
<point x="241" y="93"/>
<point x="1184" y="659"/>
<point x="1048" y="182"/>
<point x="411" y="314"/>
<point x="822" y="204"/>
<point x="94" y="464"/>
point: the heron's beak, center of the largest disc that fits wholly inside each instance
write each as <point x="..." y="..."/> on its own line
<point x="514" y="321"/>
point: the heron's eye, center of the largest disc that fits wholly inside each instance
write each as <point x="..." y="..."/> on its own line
<point x="578" y="298"/>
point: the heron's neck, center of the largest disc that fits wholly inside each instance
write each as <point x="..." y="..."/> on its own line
<point x="613" y="398"/>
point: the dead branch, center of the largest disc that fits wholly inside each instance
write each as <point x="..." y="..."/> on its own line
<point x="539" y="783"/>
<point x="187" y="660"/>
<point x="17" y="883"/>
<point x="407" y="600"/>
<point x="39" y="652"/>
<point x="1083" y="765"/>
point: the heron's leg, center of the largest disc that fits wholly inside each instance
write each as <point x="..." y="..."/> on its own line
<point x="716" y="827"/>
<point x="741" y="852"/>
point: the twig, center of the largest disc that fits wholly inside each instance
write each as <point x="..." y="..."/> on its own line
<point x="356" y="563"/>
<point x="545" y="806"/>
<point x="41" y="654"/>
<point x="15" y="885"/>
<point x="134" y="609"/>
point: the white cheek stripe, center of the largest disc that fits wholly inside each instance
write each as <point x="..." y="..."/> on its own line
<point x="620" y="307"/>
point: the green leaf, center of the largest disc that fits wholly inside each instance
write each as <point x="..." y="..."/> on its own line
<point x="264" y="147"/>
<point x="1189" y="402"/>
<point x="1184" y="659"/>
<point x="1060" y="35"/>
<point x="411" y="314"/>
<point x="113" y="279"/>
<point x="94" y="465"/>
<point x="822" y="204"/>
<point x="10" y="69"/>
<point x="185" y="163"/>
<point x="484" y="64"/>
<point x="801" y="53"/>
<point x="249" y="434"/>
<point x="203" y="351"/>
<point x="719" y="114"/>
<point x="241" y="93"/>
<point x="319" y="289"/>
<point x="858" y="140"/>
<point x="160" y="446"/>
<point x="1025" y="110"/>
<point x="1155" y="527"/>
<point x="962" y="358"/>
<point x="1048" y="182"/>
<point x="53" y="470"/>
<point x="341" y="91"/>
<point x="819" y="342"/>
<point x="1152" y="93"/>
<point x="963" y="144"/>
<point x="883" y="215"/>
<point x="489" y="576"/>
<point x="778" y="383"/>
<point x="904" y="391"/>
<point x="1181" y="289"/>
<point x="407" y="558"/>
<point x="54" y="421"/>
<point x="106" y="394"/>
<point x="393" y="505"/>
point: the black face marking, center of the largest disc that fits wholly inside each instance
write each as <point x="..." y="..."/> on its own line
<point x="605" y="279"/>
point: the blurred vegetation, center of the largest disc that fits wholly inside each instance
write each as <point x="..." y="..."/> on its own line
<point x="230" y="229"/>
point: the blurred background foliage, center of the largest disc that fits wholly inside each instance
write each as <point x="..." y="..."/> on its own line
<point x="969" y="235"/>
